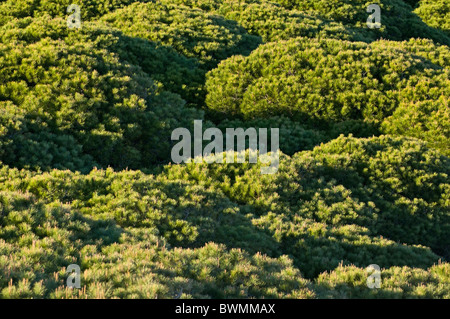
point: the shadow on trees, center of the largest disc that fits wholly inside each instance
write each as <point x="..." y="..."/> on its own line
<point x="312" y="253"/>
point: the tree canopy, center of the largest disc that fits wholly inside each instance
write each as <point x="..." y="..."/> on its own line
<point x="86" y="175"/>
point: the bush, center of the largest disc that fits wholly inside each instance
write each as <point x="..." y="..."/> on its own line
<point x="112" y="92"/>
<point x="192" y="32"/>
<point x="435" y="13"/>
<point x="396" y="282"/>
<point x="177" y="73"/>
<point x="76" y="88"/>
<point x="315" y="209"/>
<point x="397" y="19"/>
<point x="428" y="120"/>
<point x="273" y="22"/>
<point x="292" y="136"/>
<point x="324" y="82"/>
<point x="39" y="240"/>
<point x="90" y="9"/>
<point x="350" y="199"/>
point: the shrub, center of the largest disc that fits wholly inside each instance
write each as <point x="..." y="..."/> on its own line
<point x="397" y="19"/>
<point x="39" y="240"/>
<point x="323" y="82"/>
<point x="346" y="191"/>
<point x="435" y="13"/>
<point x="396" y="282"/>
<point x="177" y="73"/>
<point x="111" y="93"/>
<point x="350" y="201"/>
<point x="90" y="9"/>
<point x="292" y="136"/>
<point x="273" y="22"/>
<point x="192" y="32"/>
<point x="76" y="88"/>
<point x="314" y="209"/>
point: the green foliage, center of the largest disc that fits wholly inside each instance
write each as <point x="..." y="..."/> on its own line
<point x="36" y="147"/>
<point x="192" y="32"/>
<point x="39" y="240"/>
<point x="425" y="49"/>
<point x="90" y="9"/>
<point x="427" y="120"/>
<point x="179" y="74"/>
<point x="412" y="3"/>
<point x="292" y="136"/>
<point x="273" y="22"/>
<point x="167" y="224"/>
<point x="396" y="282"/>
<point x="435" y="13"/>
<point x="111" y="93"/>
<point x="334" y="203"/>
<point x="77" y="88"/>
<point x="341" y="19"/>
<point x="329" y="81"/>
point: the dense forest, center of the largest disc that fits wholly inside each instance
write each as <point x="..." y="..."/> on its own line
<point x="86" y="176"/>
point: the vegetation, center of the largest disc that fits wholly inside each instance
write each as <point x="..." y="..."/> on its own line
<point x="435" y="13"/>
<point x="397" y="19"/>
<point x="57" y="89"/>
<point x="273" y="22"/>
<point x="91" y="9"/>
<point x="86" y="178"/>
<point x="398" y="282"/>
<point x="191" y="32"/>
<point x="332" y="81"/>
